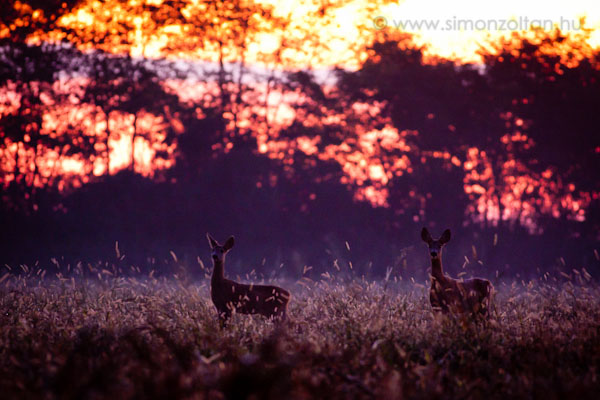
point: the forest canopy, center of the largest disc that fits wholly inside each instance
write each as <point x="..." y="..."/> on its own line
<point x="150" y="122"/>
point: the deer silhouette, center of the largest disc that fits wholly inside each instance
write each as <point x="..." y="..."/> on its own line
<point x="471" y="296"/>
<point x="229" y="296"/>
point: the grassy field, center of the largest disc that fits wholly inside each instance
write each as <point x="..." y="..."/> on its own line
<point x="112" y="337"/>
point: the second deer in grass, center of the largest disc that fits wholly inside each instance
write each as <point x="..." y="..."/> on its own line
<point x="229" y="296"/>
<point x="454" y="296"/>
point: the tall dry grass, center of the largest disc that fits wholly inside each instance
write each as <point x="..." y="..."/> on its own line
<point x="92" y="333"/>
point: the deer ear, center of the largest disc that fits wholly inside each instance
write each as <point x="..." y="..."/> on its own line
<point x="426" y="236"/>
<point x="212" y="242"/>
<point x="445" y="237"/>
<point x="228" y="244"/>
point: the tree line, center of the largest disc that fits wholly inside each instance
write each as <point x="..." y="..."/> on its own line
<point x="305" y="169"/>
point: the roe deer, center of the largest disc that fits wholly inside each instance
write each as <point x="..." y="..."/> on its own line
<point x="229" y="296"/>
<point x="451" y="295"/>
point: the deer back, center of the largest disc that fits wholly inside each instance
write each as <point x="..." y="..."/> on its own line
<point x="477" y="293"/>
<point x="266" y="300"/>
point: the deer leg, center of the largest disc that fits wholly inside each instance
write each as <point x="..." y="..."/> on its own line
<point x="485" y="305"/>
<point x="223" y="318"/>
<point x="280" y="316"/>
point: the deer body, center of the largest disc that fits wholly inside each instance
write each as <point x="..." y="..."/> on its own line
<point x="447" y="295"/>
<point x="229" y="296"/>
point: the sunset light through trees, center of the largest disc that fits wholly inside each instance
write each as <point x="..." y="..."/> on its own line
<point x="329" y="93"/>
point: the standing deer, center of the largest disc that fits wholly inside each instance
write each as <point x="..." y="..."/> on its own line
<point x="454" y="296"/>
<point x="229" y="296"/>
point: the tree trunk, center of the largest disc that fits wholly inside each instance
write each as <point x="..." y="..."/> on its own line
<point x="106" y="143"/>
<point x="222" y="78"/>
<point x="17" y="171"/>
<point x="134" y="136"/>
<point x="238" y="97"/>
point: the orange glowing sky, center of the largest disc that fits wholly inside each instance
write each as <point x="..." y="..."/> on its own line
<point x="463" y="44"/>
<point x="336" y="36"/>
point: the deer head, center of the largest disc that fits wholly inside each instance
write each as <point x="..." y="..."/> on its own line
<point x="435" y="246"/>
<point x="218" y="251"/>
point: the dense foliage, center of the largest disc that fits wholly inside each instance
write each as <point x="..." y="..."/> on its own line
<point x="101" y="142"/>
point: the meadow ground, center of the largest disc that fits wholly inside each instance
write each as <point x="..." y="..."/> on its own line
<point x="124" y="337"/>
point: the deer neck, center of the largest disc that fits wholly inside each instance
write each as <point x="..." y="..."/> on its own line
<point x="218" y="271"/>
<point x="436" y="268"/>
